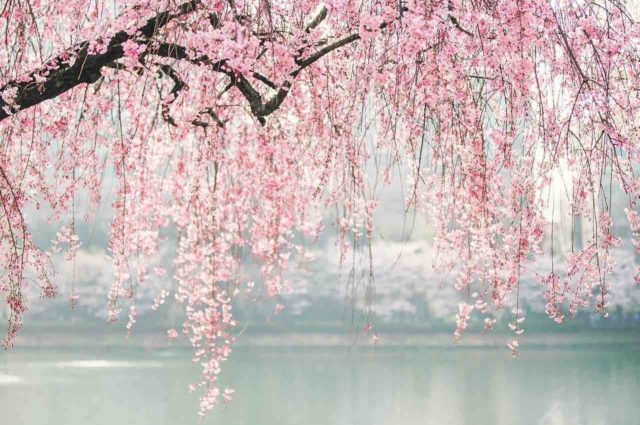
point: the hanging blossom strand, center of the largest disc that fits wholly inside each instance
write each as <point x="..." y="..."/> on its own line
<point x="237" y="122"/>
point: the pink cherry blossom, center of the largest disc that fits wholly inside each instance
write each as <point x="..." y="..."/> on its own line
<point x="247" y="127"/>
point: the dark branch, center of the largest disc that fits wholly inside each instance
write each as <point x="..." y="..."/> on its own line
<point x="456" y="24"/>
<point x="178" y="85"/>
<point x="85" y="69"/>
<point x="264" y="80"/>
<point x="175" y="51"/>
<point x="455" y="21"/>
<point x="303" y="63"/>
<point x="212" y="114"/>
<point x="322" y="13"/>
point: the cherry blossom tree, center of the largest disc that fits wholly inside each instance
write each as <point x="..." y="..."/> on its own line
<point x="239" y="122"/>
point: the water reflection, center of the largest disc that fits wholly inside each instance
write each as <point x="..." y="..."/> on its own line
<point x="328" y="387"/>
<point x="9" y="379"/>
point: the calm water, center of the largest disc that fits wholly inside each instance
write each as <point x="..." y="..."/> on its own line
<point x="327" y="387"/>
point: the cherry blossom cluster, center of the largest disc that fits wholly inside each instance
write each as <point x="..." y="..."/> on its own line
<point x="242" y="124"/>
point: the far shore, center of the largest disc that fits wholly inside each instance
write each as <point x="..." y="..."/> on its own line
<point x="109" y="338"/>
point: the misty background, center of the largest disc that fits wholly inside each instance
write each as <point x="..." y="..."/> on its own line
<point x="409" y="295"/>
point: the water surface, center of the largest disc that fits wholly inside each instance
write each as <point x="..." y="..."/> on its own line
<point x="327" y="386"/>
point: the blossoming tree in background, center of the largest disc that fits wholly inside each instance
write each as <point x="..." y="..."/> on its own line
<point x="239" y="122"/>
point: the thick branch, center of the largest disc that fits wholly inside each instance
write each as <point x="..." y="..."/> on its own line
<point x="85" y="69"/>
<point x="261" y="109"/>
<point x="303" y="63"/>
<point x="317" y="19"/>
<point x="265" y="80"/>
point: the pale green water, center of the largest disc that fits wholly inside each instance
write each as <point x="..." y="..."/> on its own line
<point x="327" y="387"/>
